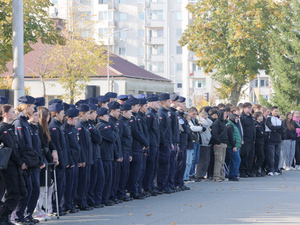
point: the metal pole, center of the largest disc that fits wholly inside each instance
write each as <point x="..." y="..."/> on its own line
<point x="18" y="50"/>
<point x="258" y="85"/>
<point x="145" y="35"/>
<point x="108" y="86"/>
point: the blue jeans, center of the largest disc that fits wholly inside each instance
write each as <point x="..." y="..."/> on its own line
<point x="234" y="163"/>
<point x="195" y="159"/>
<point x="189" y="160"/>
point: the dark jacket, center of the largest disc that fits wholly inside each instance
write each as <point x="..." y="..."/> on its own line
<point x="165" y="126"/>
<point x="108" y="140"/>
<point x="125" y="133"/>
<point x="96" y="140"/>
<point x="219" y="131"/>
<point x="139" y="139"/>
<point x="36" y="143"/>
<point x="260" y="134"/>
<point x="47" y="146"/>
<point x="175" y="125"/>
<point x="85" y="142"/>
<point x="72" y="140"/>
<point x="184" y="129"/>
<point x="22" y="129"/>
<point x="153" y="127"/>
<point x="117" y="145"/>
<point x="192" y="137"/>
<point x="273" y="132"/>
<point x="58" y="139"/>
<point x="142" y="121"/>
<point x="289" y="134"/>
<point x="248" y="128"/>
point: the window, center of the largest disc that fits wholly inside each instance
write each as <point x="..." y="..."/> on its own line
<point x="160" y="50"/>
<point x="256" y="83"/>
<point x="155" y="14"/>
<point x="160" y="33"/>
<point x="178" y="15"/>
<point x="105" y="15"/>
<point x="140" y="1"/>
<point x="122" y="1"/>
<point x="123" y="34"/>
<point x="262" y="83"/>
<point x="267" y="82"/>
<point x="82" y="16"/>
<point x="103" y="32"/>
<point x="102" y="1"/>
<point x="141" y="16"/>
<point x="179" y="85"/>
<point x="156" y="66"/>
<point x="141" y="50"/>
<point x="122" y="51"/>
<point x="178" y="50"/>
<point x="178" y="32"/>
<point x="199" y="83"/>
<point x="179" y="67"/>
<point x="85" y="32"/>
<point x="196" y="68"/>
<point x="142" y="66"/>
<point x="122" y="17"/>
<point x="141" y="33"/>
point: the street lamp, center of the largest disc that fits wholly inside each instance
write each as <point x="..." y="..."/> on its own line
<point x="108" y="81"/>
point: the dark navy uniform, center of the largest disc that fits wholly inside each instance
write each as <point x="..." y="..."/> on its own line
<point x="141" y="119"/>
<point x="175" y="141"/>
<point x="117" y="154"/>
<point x="24" y="137"/>
<point x="126" y="143"/>
<point x="107" y="155"/>
<point x="97" y="172"/>
<point x="58" y="139"/>
<point x="164" y="149"/>
<point x="13" y="175"/>
<point x="181" y="160"/>
<point x="138" y="142"/>
<point x="154" y="141"/>
<point x="85" y="142"/>
<point x="73" y="147"/>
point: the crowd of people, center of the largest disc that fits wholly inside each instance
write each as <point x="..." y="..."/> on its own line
<point x="113" y="149"/>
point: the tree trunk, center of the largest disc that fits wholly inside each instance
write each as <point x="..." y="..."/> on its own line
<point x="235" y="94"/>
<point x="44" y="87"/>
<point x="71" y="96"/>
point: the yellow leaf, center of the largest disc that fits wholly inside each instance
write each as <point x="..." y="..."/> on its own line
<point x="130" y="214"/>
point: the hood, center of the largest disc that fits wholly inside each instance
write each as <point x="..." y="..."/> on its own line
<point x="232" y="117"/>
<point x="221" y="114"/>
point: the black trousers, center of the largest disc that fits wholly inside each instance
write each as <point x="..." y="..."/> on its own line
<point x="259" y="156"/>
<point x="247" y="157"/>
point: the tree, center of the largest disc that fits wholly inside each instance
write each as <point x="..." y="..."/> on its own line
<point x="37" y="26"/>
<point x="80" y="57"/>
<point x="231" y="40"/>
<point x="6" y="83"/>
<point x="285" y="60"/>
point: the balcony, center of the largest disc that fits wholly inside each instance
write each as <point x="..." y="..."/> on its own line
<point x="111" y="5"/>
<point x="156" y="41"/>
<point x="157" y="58"/>
<point x="198" y="74"/>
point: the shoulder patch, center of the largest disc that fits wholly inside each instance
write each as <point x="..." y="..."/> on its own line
<point x="131" y="121"/>
<point x="148" y="116"/>
<point x="139" y="119"/>
<point x="79" y="128"/>
<point x="160" y="118"/>
<point x="90" y="128"/>
<point x="117" y="124"/>
<point x="5" y="132"/>
<point x="52" y="128"/>
<point x="178" y="117"/>
<point x="19" y="128"/>
<point x="106" y="127"/>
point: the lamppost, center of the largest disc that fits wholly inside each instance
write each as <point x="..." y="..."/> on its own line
<point x="109" y="36"/>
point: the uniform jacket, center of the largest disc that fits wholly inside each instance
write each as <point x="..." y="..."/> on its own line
<point x="175" y="125"/>
<point x="153" y="127"/>
<point x="72" y="140"/>
<point x="185" y="128"/>
<point x="260" y="136"/>
<point x="36" y="142"/>
<point x="58" y="139"/>
<point x="139" y="139"/>
<point x="85" y="142"/>
<point x="165" y="126"/>
<point x="108" y="140"/>
<point x="117" y="145"/>
<point x="96" y="140"/>
<point x="142" y="121"/>
<point x="125" y="133"/>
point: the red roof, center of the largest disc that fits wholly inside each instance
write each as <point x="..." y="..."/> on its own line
<point x="119" y="68"/>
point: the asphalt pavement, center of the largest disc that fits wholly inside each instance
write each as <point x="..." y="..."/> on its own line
<point x="268" y="200"/>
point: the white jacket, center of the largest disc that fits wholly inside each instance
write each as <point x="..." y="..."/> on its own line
<point x="206" y="135"/>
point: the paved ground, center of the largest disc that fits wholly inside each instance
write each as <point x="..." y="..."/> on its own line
<point x="269" y="200"/>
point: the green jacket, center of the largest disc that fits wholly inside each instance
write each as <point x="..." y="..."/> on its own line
<point x="236" y="136"/>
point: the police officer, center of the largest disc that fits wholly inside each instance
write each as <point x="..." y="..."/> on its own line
<point x="139" y="144"/>
<point x="94" y="198"/>
<point x="22" y="129"/>
<point x="86" y="155"/>
<point x="166" y="145"/>
<point x="3" y="100"/>
<point x="73" y="147"/>
<point x="141" y="119"/>
<point x="13" y="175"/>
<point x="114" y="113"/>
<point x="184" y="130"/>
<point x="103" y="101"/>
<point x="122" y="98"/>
<point x="126" y="143"/>
<point x="58" y="139"/>
<point x="154" y="140"/>
<point x="108" y="139"/>
<point x="175" y="140"/>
